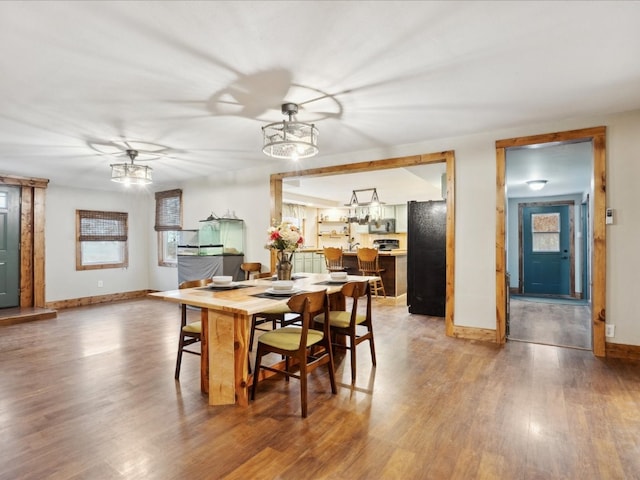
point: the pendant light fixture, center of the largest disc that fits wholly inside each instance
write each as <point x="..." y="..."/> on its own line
<point x="290" y="140"/>
<point x="354" y="202"/>
<point x="129" y="173"/>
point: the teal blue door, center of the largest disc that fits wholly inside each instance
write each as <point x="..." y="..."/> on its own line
<point x="546" y="256"/>
<point x="9" y="246"/>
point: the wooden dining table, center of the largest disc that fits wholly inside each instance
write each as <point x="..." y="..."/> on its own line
<point x="226" y="320"/>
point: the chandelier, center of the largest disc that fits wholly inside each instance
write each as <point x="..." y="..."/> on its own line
<point x="290" y="140"/>
<point x="354" y="202"/>
<point x="129" y="173"/>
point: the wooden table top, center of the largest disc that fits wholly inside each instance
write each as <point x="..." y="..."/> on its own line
<point x="241" y="300"/>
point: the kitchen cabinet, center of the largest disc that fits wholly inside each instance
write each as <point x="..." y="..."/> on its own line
<point x="310" y="262"/>
<point x="388" y="211"/>
<point x="318" y="263"/>
<point x="401" y="218"/>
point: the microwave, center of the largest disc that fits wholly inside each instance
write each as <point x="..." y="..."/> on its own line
<point x="385" y="225"/>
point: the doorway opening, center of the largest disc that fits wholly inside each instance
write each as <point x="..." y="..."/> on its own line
<point x="446" y="157"/>
<point x="560" y="280"/>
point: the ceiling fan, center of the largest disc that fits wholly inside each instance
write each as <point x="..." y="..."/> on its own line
<point x="146" y="151"/>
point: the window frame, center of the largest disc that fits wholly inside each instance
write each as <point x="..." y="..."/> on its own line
<point x="98" y="235"/>
<point x="164" y="260"/>
<point x="168" y="218"/>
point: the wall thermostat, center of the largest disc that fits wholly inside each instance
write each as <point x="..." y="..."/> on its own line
<point x="609" y="216"/>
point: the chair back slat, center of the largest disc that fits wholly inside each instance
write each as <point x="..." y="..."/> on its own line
<point x="250" y="267"/>
<point x="308" y="305"/>
<point x="333" y="258"/>
<point x="195" y="283"/>
<point x="367" y="259"/>
<point x="356" y="291"/>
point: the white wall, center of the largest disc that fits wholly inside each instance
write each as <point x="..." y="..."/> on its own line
<point x="623" y="254"/>
<point x="247" y="193"/>
<point x="62" y="280"/>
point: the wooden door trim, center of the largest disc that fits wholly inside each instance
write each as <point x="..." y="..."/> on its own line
<point x="32" y="244"/>
<point x="597" y="135"/>
<point x="447" y="157"/>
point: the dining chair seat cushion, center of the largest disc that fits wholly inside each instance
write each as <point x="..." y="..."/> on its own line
<point x="280" y="309"/>
<point x="288" y="338"/>
<point x="195" y="327"/>
<point x="340" y="319"/>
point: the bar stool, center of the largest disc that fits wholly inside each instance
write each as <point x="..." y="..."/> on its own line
<point x="368" y="266"/>
<point x="333" y="259"/>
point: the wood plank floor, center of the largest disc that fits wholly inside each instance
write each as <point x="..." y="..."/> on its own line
<point x="91" y="395"/>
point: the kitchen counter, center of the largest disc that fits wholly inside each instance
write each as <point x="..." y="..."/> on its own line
<point x="394" y="263"/>
<point x="389" y="253"/>
<point x="382" y="253"/>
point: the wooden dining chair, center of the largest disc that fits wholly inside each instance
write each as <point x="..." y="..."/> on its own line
<point x="368" y="266"/>
<point x="295" y="343"/>
<point x="190" y="333"/>
<point x="281" y="314"/>
<point x="251" y="268"/>
<point x="356" y="326"/>
<point x="333" y="259"/>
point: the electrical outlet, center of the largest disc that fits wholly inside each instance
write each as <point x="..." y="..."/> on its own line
<point x="100" y="284"/>
<point x="610" y="331"/>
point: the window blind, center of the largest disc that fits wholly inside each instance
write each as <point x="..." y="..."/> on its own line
<point x="97" y="226"/>
<point x="168" y="210"/>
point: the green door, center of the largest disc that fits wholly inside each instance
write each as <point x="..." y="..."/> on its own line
<point x="9" y="246"/>
<point x="546" y="262"/>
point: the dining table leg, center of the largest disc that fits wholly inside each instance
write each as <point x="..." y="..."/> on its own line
<point x="224" y="358"/>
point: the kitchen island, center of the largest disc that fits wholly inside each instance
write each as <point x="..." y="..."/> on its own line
<point x="394" y="263"/>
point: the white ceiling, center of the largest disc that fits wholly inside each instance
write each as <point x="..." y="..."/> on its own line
<point x="199" y="79"/>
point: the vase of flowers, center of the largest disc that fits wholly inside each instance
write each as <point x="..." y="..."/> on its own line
<point x="285" y="239"/>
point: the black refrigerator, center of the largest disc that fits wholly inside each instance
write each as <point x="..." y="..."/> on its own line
<point x="427" y="257"/>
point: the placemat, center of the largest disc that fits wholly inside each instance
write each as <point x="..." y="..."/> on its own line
<point x="293" y="277"/>
<point x="332" y="282"/>
<point x="220" y="288"/>
<point x="276" y="297"/>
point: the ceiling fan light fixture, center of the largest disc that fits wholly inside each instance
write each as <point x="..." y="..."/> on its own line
<point x="536" y="184"/>
<point x="129" y="173"/>
<point x="290" y="139"/>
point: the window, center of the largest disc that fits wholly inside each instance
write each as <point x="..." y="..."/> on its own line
<point x="545" y="230"/>
<point x="101" y="240"/>
<point x="168" y="224"/>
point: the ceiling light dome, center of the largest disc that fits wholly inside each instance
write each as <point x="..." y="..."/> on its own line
<point x="290" y="140"/>
<point x="536" y="184"/>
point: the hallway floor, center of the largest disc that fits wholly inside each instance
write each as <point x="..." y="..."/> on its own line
<point x="550" y="322"/>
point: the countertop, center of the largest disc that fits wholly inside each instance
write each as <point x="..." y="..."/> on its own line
<point x="383" y="253"/>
